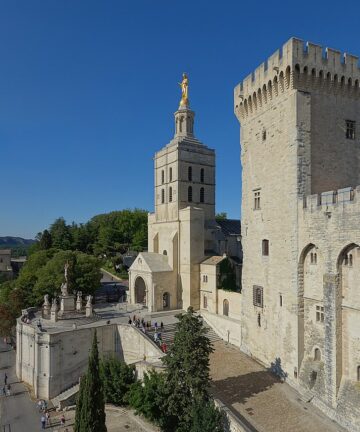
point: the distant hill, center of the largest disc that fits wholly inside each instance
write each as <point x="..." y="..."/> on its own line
<point x="15" y="242"/>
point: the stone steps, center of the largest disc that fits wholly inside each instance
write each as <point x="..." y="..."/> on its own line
<point x="60" y="400"/>
<point x="168" y="334"/>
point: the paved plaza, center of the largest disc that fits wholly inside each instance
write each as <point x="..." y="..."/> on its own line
<point x="258" y="398"/>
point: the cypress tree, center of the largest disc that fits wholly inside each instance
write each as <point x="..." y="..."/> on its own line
<point x="188" y="369"/>
<point x="90" y="413"/>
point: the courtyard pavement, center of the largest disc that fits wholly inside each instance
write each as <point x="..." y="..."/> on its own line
<point x="258" y="398"/>
<point x="18" y="413"/>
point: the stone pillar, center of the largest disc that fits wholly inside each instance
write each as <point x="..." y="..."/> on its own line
<point x="79" y="301"/>
<point x="89" y="307"/>
<point x="54" y="311"/>
<point x="333" y="337"/>
<point x="19" y="336"/>
<point x="46" y="307"/>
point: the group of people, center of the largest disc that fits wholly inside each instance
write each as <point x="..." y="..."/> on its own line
<point x="45" y="420"/>
<point x="144" y="325"/>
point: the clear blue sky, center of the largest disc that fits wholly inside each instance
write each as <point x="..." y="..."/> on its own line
<point x="88" y="90"/>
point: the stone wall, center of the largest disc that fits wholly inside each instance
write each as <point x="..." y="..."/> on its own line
<point x="53" y="362"/>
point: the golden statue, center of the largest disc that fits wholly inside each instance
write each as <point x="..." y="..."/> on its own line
<point x="184" y="91"/>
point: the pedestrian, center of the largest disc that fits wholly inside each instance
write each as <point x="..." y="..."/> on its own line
<point x="43" y="422"/>
<point x="8" y="390"/>
<point x="5" y="378"/>
<point x="47" y="415"/>
<point x="4" y="391"/>
<point x="39" y="405"/>
<point x="162" y="326"/>
<point x="129" y="322"/>
<point x="62" y="420"/>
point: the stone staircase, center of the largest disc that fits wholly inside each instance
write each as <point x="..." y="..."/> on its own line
<point x="168" y="334"/>
<point x="66" y="398"/>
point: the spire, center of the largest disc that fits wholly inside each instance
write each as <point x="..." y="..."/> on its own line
<point x="184" y="117"/>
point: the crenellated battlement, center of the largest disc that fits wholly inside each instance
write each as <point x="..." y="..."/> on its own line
<point x="325" y="201"/>
<point x="299" y="65"/>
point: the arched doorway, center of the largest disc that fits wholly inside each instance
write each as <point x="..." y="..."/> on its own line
<point x="166" y="300"/>
<point x="140" y="290"/>
<point x="226" y="307"/>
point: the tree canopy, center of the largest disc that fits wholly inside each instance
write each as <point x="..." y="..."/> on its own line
<point x="43" y="273"/>
<point x="105" y="234"/>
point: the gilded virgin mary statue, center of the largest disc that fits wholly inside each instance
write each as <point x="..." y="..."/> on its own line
<point x="184" y="102"/>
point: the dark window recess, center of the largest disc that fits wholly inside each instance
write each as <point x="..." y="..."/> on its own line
<point x="190" y="173"/>
<point x="202" y="175"/>
<point x="265" y="247"/>
<point x="190" y="197"/>
<point x="202" y="195"/>
<point x="170" y="194"/>
<point x="162" y="196"/>
<point x="258" y="292"/>
<point x="162" y="177"/>
<point x="350" y="129"/>
<point x="170" y="174"/>
<point x="264" y="135"/>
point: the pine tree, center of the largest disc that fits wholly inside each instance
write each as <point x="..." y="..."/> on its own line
<point x="79" y="402"/>
<point x="91" y="404"/>
<point x="188" y="371"/>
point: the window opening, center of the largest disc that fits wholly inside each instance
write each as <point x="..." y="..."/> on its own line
<point x="350" y="129"/>
<point x="320" y="314"/>
<point x="257" y="200"/>
<point x="190" y="197"/>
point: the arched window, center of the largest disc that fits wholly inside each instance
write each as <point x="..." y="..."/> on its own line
<point x="190" y="173"/>
<point x="162" y="177"/>
<point x="317" y="354"/>
<point x="190" y="194"/>
<point x="205" y="302"/>
<point x="162" y="196"/>
<point x="202" y="175"/>
<point x="170" y="194"/>
<point x="170" y="174"/>
<point x="226" y="307"/>
<point x="202" y="195"/>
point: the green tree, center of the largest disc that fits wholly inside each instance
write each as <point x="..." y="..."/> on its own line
<point x="221" y="216"/>
<point x="90" y="413"/>
<point x="117" y="377"/>
<point x="45" y="240"/>
<point x="188" y="371"/>
<point x="84" y="274"/>
<point x="79" y="403"/>
<point x="60" y="234"/>
<point x="206" y="417"/>
<point x="149" y="398"/>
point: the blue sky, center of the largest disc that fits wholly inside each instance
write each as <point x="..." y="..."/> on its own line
<point x="88" y="90"/>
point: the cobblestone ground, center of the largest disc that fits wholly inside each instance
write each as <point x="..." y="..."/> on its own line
<point x="256" y="396"/>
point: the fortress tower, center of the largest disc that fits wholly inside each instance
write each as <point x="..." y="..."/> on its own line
<point x="300" y="151"/>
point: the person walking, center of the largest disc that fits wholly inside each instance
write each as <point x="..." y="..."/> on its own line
<point x="5" y="378"/>
<point x="62" y="420"/>
<point x="8" y="390"/>
<point x="162" y="326"/>
<point x="129" y="322"/>
<point x="43" y="422"/>
<point x="47" y="415"/>
<point x="4" y="391"/>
